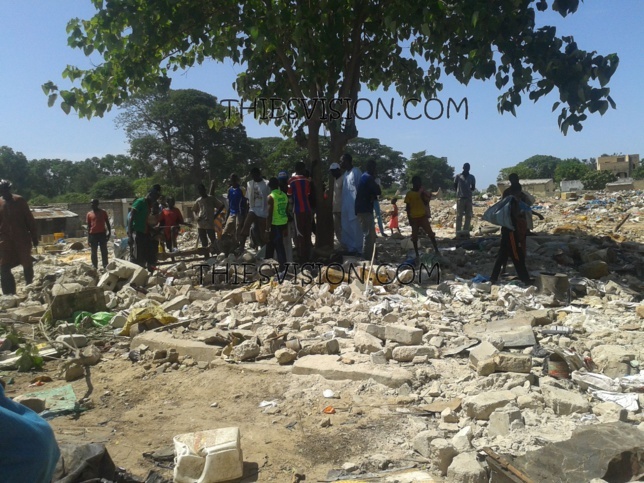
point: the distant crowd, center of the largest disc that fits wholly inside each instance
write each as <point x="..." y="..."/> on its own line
<point x="277" y="217"/>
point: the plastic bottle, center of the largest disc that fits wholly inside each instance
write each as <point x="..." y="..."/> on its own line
<point x="558" y="330"/>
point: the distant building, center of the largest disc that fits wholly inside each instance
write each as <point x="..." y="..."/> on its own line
<point x="621" y="165"/>
<point x="536" y="187"/>
<point x="50" y="220"/>
<point x="572" y="185"/>
<point x="625" y="184"/>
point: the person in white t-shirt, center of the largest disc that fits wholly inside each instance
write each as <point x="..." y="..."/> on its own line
<point x="257" y="192"/>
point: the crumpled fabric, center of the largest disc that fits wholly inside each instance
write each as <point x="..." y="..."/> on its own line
<point x="146" y="313"/>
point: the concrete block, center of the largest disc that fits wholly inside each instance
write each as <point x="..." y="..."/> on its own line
<point x="462" y="441"/>
<point x="407" y="353"/>
<point x="482" y="405"/>
<point x="108" y="281"/>
<point x="422" y="441"/>
<point x="372" y="329"/>
<point x="442" y="454"/>
<point x="466" y="469"/>
<point x="508" y="362"/>
<point x="481" y="358"/>
<point x="404" y="334"/>
<point x="504" y="420"/>
<point x="366" y="343"/>
<point x="330" y="368"/>
<point x="74" y="340"/>
<point x="564" y="402"/>
<point x="176" y="303"/>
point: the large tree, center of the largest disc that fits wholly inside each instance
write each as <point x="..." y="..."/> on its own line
<point x="330" y="48"/>
<point x="434" y="172"/>
<point x="571" y="169"/>
<point x="171" y="128"/>
<point x="539" y="166"/>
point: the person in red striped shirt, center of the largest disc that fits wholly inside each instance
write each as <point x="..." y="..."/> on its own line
<point x="299" y="189"/>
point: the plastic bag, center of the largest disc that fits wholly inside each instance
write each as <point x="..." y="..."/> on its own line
<point x="120" y="248"/>
<point x="500" y="213"/>
<point x="100" y="319"/>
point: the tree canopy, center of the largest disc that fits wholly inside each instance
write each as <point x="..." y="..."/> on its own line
<point x="596" y="180"/>
<point x="319" y="52"/>
<point x="434" y="172"/>
<point x="571" y="169"/>
<point x="170" y="130"/>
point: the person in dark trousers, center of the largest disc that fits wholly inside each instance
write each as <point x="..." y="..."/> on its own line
<point x="235" y="220"/>
<point x="367" y="193"/>
<point x="464" y="185"/>
<point x="144" y="246"/>
<point x="299" y="189"/>
<point x="17" y="235"/>
<point x="204" y="211"/>
<point x="277" y="221"/>
<point x="513" y="242"/>
<point x="171" y="220"/>
<point x="417" y="207"/>
<point x="98" y="232"/>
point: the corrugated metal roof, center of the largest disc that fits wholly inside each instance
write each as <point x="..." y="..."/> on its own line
<point x="529" y="181"/>
<point x="48" y="213"/>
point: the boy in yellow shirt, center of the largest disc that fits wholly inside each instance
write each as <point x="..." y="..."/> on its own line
<point x="417" y="207"/>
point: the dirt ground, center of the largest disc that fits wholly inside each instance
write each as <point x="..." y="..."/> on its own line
<point x="135" y="413"/>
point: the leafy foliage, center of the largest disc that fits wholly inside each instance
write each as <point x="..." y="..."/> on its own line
<point x="112" y="188"/>
<point x="535" y="167"/>
<point x="571" y="169"/>
<point x="492" y="190"/>
<point x="596" y="180"/>
<point x="321" y="51"/>
<point x="391" y="163"/>
<point x="171" y="131"/>
<point x="30" y="358"/>
<point x="434" y="172"/>
<point x="639" y="172"/>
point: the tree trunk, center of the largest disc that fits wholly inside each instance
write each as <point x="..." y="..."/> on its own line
<point x="324" y="215"/>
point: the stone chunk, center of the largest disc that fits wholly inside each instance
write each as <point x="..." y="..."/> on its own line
<point x="442" y="454"/>
<point x="366" y="343"/>
<point x="285" y="356"/>
<point x="298" y="310"/>
<point x="36" y="404"/>
<point x="482" y="405"/>
<point x="74" y="340"/>
<point x="331" y="346"/>
<point x="449" y="416"/>
<point x="24" y="314"/>
<point x="404" y="335"/>
<point x="176" y="303"/>
<point x="422" y="441"/>
<point x="564" y="402"/>
<point x="246" y="350"/>
<point x="594" y="270"/>
<point x="462" y="441"/>
<point x="481" y="358"/>
<point x="505" y="419"/>
<point x="609" y="412"/>
<point x="378" y="358"/>
<point x="613" y="360"/>
<point x="407" y="353"/>
<point x="640" y="311"/>
<point x="508" y="362"/>
<point x="466" y="469"/>
<point x="372" y="329"/>
<point x="74" y="372"/>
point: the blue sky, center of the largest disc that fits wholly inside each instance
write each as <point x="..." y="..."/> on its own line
<point x="33" y="50"/>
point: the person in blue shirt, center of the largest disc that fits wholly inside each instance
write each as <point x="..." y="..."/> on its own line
<point x="28" y="448"/>
<point x="367" y="193"/>
<point x="236" y="204"/>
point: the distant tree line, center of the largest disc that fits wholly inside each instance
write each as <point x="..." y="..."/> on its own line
<point x="551" y="167"/>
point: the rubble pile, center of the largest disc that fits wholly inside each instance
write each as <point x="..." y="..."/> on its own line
<point x="467" y="364"/>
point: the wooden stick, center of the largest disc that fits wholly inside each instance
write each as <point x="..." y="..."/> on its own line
<point x="628" y="215"/>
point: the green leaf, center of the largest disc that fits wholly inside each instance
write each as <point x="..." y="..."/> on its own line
<point x="52" y="100"/>
<point x="555" y="106"/>
<point x="612" y="102"/>
<point x="65" y="107"/>
<point x="475" y="18"/>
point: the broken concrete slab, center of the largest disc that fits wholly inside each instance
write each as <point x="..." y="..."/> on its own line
<point x="330" y="368"/>
<point x="88" y="300"/>
<point x="613" y="360"/>
<point x="612" y="452"/>
<point x="422" y="441"/>
<point x="366" y="343"/>
<point x="504" y="420"/>
<point x="564" y="402"/>
<point x="482" y="405"/>
<point x="29" y="313"/>
<point x="407" y="353"/>
<point x="508" y="362"/>
<point x="404" y="334"/>
<point x="466" y="469"/>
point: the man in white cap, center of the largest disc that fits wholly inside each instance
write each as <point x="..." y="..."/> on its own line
<point x="338" y="178"/>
